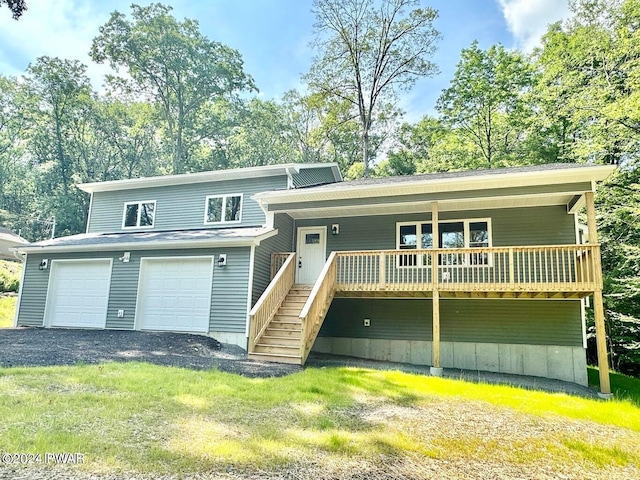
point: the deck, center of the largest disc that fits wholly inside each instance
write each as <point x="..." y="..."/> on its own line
<point x="550" y="271"/>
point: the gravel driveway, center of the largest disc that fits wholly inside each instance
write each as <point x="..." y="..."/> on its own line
<point x="44" y="347"/>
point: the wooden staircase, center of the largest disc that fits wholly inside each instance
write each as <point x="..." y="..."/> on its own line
<point x="281" y="340"/>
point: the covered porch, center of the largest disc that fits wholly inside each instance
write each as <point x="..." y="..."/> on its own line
<point x="502" y="269"/>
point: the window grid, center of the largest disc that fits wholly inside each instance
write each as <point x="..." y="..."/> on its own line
<point x="139" y="214"/>
<point x="227" y="209"/>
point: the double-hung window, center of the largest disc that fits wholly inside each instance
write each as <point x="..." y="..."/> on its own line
<point x="223" y="209"/>
<point x="139" y="214"/>
<point x="472" y="233"/>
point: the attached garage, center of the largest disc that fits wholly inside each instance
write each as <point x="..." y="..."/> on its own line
<point x="174" y="294"/>
<point x="78" y="293"/>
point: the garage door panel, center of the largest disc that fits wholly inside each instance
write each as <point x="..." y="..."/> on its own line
<point x="78" y="294"/>
<point x="175" y="294"/>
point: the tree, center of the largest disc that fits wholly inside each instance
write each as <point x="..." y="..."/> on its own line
<point x="172" y="63"/>
<point x="589" y="78"/>
<point x="367" y="53"/>
<point x="17" y="7"/>
<point x="433" y="146"/>
<point x="61" y="111"/>
<point x="263" y="137"/>
<point x="589" y="81"/>
<point x="486" y="101"/>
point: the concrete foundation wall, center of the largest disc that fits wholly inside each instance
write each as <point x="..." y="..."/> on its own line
<point x="239" y="339"/>
<point x="550" y="361"/>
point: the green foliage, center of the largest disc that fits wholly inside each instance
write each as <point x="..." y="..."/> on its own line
<point x="486" y="102"/>
<point x="590" y="83"/>
<point x="367" y="52"/>
<point x="17" y="7"/>
<point x="175" y="64"/>
<point x="9" y="276"/>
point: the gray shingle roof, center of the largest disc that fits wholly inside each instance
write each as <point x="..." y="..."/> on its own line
<point x="143" y="238"/>
<point x="445" y="175"/>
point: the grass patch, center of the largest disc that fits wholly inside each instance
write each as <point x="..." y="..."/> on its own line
<point x="622" y="386"/>
<point x="134" y="417"/>
<point x="7" y="311"/>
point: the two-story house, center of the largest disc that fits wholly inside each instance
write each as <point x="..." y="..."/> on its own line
<point x="483" y="270"/>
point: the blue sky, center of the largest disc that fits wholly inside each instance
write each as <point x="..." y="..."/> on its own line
<point x="272" y="35"/>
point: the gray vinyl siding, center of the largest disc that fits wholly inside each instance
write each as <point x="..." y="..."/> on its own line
<point x="313" y="176"/>
<point x="282" y="242"/>
<point x="33" y="295"/>
<point x="228" y="298"/>
<point x="437" y="196"/>
<point x="530" y="322"/>
<point x="181" y="206"/>
<point x="510" y="227"/>
<point x="230" y="292"/>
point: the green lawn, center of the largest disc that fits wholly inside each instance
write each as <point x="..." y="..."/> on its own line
<point x="320" y="423"/>
<point x="7" y="311"/>
<point x="622" y="386"/>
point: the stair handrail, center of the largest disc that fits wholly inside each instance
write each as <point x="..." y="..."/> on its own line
<point x="314" y="310"/>
<point x="270" y="301"/>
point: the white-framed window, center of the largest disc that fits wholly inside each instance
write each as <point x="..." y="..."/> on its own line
<point x="464" y="233"/>
<point x="223" y="209"/>
<point x="139" y="214"/>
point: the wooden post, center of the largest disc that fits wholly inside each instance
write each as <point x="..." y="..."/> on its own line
<point x="436" y="369"/>
<point x="436" y="328"/>
<point x="598" y="306"/>
<point x="383" y="271"/>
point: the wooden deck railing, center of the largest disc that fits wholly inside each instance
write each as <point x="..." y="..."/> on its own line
<point x="315" y="309"/>
<point x="559" y="268"/>
<point x="270" y="301"/>
<point x="277" y="260"/>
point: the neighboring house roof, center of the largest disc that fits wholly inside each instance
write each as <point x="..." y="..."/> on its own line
<point x="211" y="176"/>
<point x="152" y="240"/>
<point x="8" y="240"/>
<point x="563" y="182"/>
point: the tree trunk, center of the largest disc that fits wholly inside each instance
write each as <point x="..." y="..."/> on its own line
<point x="365" y="151"/>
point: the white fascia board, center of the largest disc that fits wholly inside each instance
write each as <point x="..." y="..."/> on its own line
<point x="477" y="182"/>
<point x="153" y="245"/>
<point x="201" y="177"/>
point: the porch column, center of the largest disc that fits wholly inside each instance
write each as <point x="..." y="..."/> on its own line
<point x="436" y="369"/>
<point x="598" y="306"/>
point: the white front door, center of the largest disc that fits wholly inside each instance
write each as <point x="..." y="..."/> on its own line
<point x="312" y="253"/>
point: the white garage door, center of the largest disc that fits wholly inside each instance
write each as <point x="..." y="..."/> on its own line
<point x="78" y="294"/>
<point x="175" y="294"/>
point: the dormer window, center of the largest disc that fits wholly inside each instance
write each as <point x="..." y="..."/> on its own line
<point x="139" y="214"/>
<point x="223" y="209"/>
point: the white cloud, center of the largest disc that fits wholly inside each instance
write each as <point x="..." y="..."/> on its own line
<point x="527" y="20"/>
<point x="64" y="29"/>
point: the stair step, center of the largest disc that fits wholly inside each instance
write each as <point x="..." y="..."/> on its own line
<point x="289" y="319"/>
<point x="283" y="332"/>
<point x="277" y="340"/>
<point x="293" y="303"/>
<point x="280" y="349"/>
<point x="289" y="312"/>
<point x="276" y="358"/>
